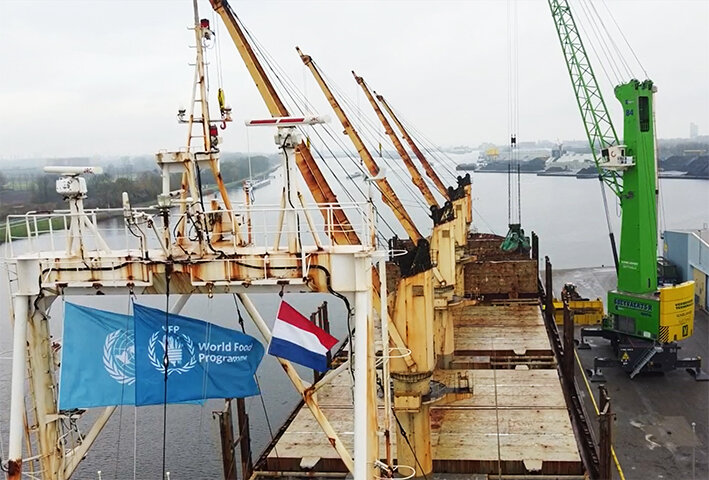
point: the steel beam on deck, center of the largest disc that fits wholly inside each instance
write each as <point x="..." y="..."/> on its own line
<point x="298" y="383"/>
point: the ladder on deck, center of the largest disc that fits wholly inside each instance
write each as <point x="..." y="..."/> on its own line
<point x="647" y="356"/>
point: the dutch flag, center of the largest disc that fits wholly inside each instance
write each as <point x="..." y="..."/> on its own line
<point x="297" y="339"/>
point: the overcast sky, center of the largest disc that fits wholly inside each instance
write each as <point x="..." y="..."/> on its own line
<point x="105" y="77"/>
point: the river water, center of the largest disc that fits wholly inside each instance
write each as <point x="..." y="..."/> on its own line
<point x="565" y="212"/>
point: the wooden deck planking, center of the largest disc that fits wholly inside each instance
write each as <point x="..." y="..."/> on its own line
<point x="518" y="329"/>
<point x="515" y="421"/>
<point x="534" y="428"/>
<point x="506" y="388"/>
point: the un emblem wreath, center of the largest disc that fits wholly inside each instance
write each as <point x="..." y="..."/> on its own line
<point x="109" y="361"/>
<point x="159" y="365"/>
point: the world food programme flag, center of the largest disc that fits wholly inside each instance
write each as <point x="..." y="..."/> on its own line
<point x="98" y="359"/>
<point x="202" y="360"/>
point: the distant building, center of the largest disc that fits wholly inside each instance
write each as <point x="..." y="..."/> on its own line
<point x="693" y="130"/>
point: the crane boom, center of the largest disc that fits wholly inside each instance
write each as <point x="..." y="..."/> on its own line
<point x="343" y="231"/>
<point x="389" y="197"/>
<point x="594" y="112"/>
<point x="424" y="162"/>
<point x="413" y="171"/>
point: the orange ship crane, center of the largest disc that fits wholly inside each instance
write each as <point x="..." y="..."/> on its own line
<point x="343" y="232"/>
<point x="388" y="195"/>
<point x="415" y="175"/>
<point x="424" y="162"/>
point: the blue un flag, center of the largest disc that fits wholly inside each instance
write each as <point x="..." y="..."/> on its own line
<point x="202" y="360"/>
<point x="98" y="359"/>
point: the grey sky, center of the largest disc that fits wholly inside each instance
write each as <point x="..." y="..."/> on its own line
<point x="106" y="77"/>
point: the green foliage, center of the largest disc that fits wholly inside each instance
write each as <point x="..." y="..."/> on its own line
<point x="237" y="168"/>
<point x="106" y="191"/>
<point x="43" y="190"/>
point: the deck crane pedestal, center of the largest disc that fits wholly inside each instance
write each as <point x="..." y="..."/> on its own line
<point x="645" y="320"/>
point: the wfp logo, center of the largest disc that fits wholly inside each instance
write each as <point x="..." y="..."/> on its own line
<point x="177" y="351"/>
<point x="119" y="356"/>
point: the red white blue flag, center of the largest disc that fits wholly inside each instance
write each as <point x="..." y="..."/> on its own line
<point x="297" y="339"/>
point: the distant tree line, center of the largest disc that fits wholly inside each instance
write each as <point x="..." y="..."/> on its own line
<point x="36" y="191"/>
<point x="235" y="167"/>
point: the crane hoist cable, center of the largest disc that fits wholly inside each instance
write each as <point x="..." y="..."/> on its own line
<point x="515" y="240"/>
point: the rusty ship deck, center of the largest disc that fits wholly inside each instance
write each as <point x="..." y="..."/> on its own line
<point x="514" y="422"/>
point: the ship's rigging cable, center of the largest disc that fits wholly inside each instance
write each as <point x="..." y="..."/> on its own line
<point x="120" y="407"/>
<point x="135" y="442"/>
<point x="375" y="137"/>
<point x="370" y="131"/>
<point x="165" y="363"/>
<point x="514" y="197"/>
<point x="218" y="49"/>
<point x="291" y="90"/>
<point x="408" y="442"/>
<point x="447" y="163"/>
<point x="273" y="66"/>
<point x="434" y="151"/>
<point x="590" y="31"/>
<point x="260" y="395"/>
<point x="622" y="34"/>
<point x="205" y="376"/>
<point x="347" y="191"/>
<point x="244" y="426"/>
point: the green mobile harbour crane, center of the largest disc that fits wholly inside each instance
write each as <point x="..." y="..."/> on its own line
<point x="644" y="322"/>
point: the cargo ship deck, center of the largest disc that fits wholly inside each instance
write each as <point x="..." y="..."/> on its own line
<point x="513" y="420"/>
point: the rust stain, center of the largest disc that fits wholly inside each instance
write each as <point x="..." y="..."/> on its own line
<point x="308" y="394"/>
<point x="436" y="418"/>
<point x="14" y="469"/>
